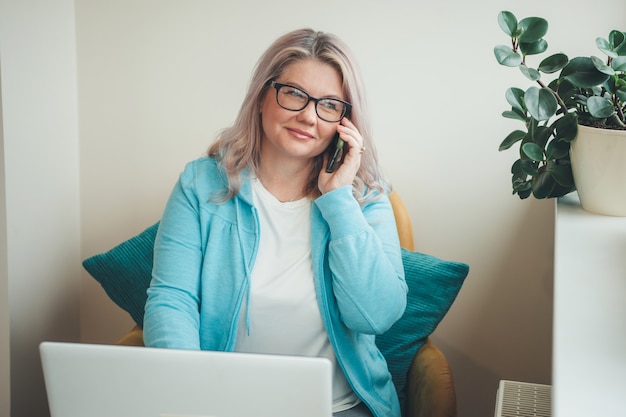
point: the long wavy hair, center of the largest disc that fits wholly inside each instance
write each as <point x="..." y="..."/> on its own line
<point x="238" y="147"/>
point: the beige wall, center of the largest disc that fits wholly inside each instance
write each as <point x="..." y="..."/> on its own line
<point x="157" y="80"/>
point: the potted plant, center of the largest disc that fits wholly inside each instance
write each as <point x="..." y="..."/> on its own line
<point x="585" y="94"/>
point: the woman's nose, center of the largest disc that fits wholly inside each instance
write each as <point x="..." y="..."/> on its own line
<point x="308" y="113"/>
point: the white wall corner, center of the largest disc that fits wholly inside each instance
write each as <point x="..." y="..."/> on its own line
<point x="40" y="246"/>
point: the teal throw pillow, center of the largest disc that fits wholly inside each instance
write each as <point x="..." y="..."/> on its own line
<point x="125" y="272"/>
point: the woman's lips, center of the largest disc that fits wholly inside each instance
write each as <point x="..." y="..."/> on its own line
<point x="300" y="134"/>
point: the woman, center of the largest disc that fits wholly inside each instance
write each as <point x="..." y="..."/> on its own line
<point x="260" y="249"/>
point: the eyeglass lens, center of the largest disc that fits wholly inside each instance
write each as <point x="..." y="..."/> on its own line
<point x="328" y="109"/>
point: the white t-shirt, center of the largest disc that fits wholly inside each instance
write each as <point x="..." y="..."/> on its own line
<point x="283" y="313"/>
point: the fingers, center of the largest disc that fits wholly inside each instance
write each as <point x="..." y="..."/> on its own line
<point x="350" y="161"/>
<point x="351" y="135"/>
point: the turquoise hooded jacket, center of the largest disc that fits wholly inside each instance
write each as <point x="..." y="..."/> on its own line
<point x="205" y="251"/>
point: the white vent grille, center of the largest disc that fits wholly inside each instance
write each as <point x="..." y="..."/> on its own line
<point x="523" y="399"/>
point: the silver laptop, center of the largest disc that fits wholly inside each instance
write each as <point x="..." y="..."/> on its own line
<point x="86" y="380"/>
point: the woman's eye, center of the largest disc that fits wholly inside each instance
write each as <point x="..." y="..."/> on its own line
<point x="329" y="105"/>
<point x="295" y="93"/>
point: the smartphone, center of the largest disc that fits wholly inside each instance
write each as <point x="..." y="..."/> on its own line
<point x="335" y="153"/>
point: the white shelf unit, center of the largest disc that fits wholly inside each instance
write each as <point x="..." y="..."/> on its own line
<point x="589" y="333"/>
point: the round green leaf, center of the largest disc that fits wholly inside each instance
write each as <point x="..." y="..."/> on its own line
<point x="530" y="73"/>
<point x="533" y="151"/>
<point x="514" y="114"/>
<point x="525" y="193"/>
<point x="619" y="63"/>
<point x="512" y="138"/>
<point x="506" y="56"/>
<point x="553" y="63"/>
<point x="507" y="22"/>
<point x="600" y="107"/>
<point x="543" y="185"/>
<point x="532" y="29"/>
<point x="620" y="48"/>
<point x="617" y="40"/>
<point x="611" y="85"/>
<point x="515" y="97"/>
<point x="541" y="135"/>
<point x="605" y="47"/>
<point x="520" y="184"/>
<point x="517" y="171"/>
<point x="581" y="72"/>
<point x="562" y="174"/>
<point x="566" y="127"/>
<point x="601" y="66"/>
<point x="557" y="149"/>
<point x="534" y="48"/>
<point x="541" y="103"/>
<point x="564" y="88"/>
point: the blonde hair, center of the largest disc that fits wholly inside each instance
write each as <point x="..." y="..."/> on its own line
<point x="238" y="147"/>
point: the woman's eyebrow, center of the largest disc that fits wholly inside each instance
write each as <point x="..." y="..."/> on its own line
<point x="299" y="86"/>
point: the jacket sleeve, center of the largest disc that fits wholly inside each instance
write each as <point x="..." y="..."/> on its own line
<point x="365" y="261"/>
<point x="172" y="310"/>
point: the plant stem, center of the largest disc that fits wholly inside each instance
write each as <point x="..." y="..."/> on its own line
<point x="620" y="114"/>
<point x="616" y="120"/>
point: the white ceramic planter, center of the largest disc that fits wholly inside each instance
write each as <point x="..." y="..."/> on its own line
<point x="599" y="166"/>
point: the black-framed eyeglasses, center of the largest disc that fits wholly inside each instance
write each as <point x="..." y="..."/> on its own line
<point x="293" y="98"/>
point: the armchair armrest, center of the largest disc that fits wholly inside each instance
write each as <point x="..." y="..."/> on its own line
<point x="430" y="387"/>
<point x="133" y="338"/>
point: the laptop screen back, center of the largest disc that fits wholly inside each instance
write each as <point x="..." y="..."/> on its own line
<point x="85" y="380"/>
